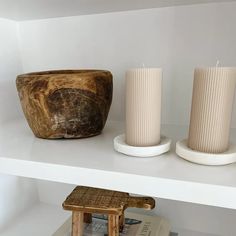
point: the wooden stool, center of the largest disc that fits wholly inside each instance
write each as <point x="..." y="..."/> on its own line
<point x="83" y="201"/>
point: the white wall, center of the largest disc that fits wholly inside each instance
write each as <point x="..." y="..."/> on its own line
<point x="16" y="194"/>
<point x="10" y="66"/>
<point x="176" y="38"/>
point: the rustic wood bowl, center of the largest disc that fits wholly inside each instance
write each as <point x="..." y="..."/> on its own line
<point x="66" y="103"/>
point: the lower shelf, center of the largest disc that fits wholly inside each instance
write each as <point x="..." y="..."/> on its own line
<point x="44" y="219"/>
<point x="40" y="220"/>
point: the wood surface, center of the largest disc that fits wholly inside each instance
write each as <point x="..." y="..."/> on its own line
<point x="121" y="222"/>
<point x="66" y="104"/>
<point x="77" y="223"/>
<point x="113" y="225"/>
<point x="101" y="201"/>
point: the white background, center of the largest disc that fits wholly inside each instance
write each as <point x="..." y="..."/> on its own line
<point x="178" y="39"/>
<point x="16" y="194"/>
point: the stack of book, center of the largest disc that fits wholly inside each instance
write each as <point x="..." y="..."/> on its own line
<point x="135" y="225"/>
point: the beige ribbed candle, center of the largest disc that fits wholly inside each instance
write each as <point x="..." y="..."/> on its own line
<point x="143" y="106"/>
<point x="212" y="101"/>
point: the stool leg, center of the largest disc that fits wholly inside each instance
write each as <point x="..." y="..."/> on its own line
<point x="77" y="223"/>
<point x="113" y="225"/>
<point x="87" y="218"/>
<point x="121" y="222"/>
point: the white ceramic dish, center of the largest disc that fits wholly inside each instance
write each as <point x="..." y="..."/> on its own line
<point x="150" y="151"/>
<point x="203" y="158"/>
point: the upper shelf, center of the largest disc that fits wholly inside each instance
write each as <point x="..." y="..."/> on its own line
<point x="93" y="162"/>
<point x="38" y="9"/>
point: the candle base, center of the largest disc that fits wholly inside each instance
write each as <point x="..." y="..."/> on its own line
<point x="121" y="146"/>
<point x="202" y="158"/>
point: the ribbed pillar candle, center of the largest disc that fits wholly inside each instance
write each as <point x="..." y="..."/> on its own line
<point x="212" y="102"/>
<point x="143" y="106"/>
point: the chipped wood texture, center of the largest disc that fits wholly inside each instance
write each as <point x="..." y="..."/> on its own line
<point x="66" y="104"/>
<point x="101" y="201"/>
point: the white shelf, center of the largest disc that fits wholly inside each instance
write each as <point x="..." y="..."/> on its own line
<point x="93" y="162"/>
<point x="40" y="220"/>
<point x="44" y="220"/>
<point x="39" y="9"/>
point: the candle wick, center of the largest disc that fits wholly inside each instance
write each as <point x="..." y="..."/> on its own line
<point x="217" y="63"/>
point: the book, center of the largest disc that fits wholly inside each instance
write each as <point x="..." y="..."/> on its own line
<point x="135" y="225"/>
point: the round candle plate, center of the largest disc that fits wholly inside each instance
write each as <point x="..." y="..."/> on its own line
<point x="149" y="151"/>
<point x="210" y="159"/>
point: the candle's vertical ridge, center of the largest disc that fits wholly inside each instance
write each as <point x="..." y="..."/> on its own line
<point x="143" y="106"/>
<point x="212" y="102"/>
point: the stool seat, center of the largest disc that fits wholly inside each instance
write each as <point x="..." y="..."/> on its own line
<point x="101" y="201"/>
<point x="83" y="201"/>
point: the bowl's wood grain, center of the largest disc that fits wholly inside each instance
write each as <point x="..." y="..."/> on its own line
<point x="66" y="104"/>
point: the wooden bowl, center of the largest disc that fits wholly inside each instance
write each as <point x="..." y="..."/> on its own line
<point x="66" y="103"/>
